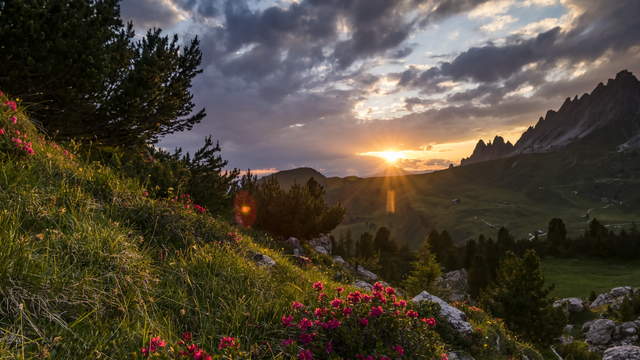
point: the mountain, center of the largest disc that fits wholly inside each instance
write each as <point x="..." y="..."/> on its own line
<point x="492" y="150"/>
<point x="391" y="171"/>
<point x="607" y="118"/>
<point x="286" y="178"/>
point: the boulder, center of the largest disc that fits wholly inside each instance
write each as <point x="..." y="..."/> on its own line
<point x="629" y="328"/>
<point x="613" y="297"/>
<point x="263" y="260"/>
<point x="600" y="333"/>
<point x="458" y="355"/>
<point x="455" y="284"/>
<point x="295" y="246"/>
<point x="570" y="305"/>
<point x="366" y="274"/>
<point x="363" y="285"/>
<point x="456" y="318"/>
<point x="321" y="244"/>
<point x="626" y="352"/>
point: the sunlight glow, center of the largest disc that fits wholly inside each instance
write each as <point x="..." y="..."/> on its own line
<point x="389" y="156"/>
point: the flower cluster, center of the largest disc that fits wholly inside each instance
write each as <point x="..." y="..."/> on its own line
<point x="15" y="138"/>
<point x="185" y="349"/>
<point x="187" y="203"/>
<point x="368" y="326"/>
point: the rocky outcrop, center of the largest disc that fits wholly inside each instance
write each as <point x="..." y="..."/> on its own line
<point x="366" y="274"/>
<point x="363" y="285"/>
<point x="263" y="260"/>
<point x="489" y="151"/>
<point x="321" y="244"/>
<point x="455" y="284"/>
<point x="626" y="352"/>
<point x="453" y="316"/>
<point x="570" y="305"/>
<point x="602" y="334"/>
<point x="295" y="245"/>
<point x="613" y="297"/>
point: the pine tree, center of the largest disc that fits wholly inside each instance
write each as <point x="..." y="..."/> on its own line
<point x="557" y="236"/>
<point x="424" y="271"/>
<point x="520" y="297"/>
<point x="479" y="276"/>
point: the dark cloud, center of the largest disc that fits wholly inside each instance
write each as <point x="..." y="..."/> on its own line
<point x="148" y="13"/>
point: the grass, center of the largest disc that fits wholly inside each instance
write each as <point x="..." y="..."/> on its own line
<point x="578" y="277"/>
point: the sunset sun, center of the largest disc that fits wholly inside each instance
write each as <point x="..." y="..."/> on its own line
<point x="390" y="157"/>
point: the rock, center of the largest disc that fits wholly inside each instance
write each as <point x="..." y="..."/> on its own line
<point x="613" y="297"/>
<point x="570" y="305"/>
<point x="295" y="246"/>
<point x="366" y="274"/>
<point x="600" y="332"/>
<point x="566" y="339"/>
<point x="263" y="260"/>
<point x="458" y="355"/>
<point x="568" y="328"/>
<point x="456" y="318"/>
<point x="627" y="352"/>
<point x="321" y="244"/>
<point x="455" y="284"/>
<point x="340" y="260"/>
<point x="363" y="285"/>
<point x="628" y="328"/>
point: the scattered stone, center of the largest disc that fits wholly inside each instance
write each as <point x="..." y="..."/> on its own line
<point x="366" y="274"/>
<point x="626" y="352"/>
<point x="568" y="328"/>
<point x="363" y="285"/>
<point x="456" y="318"/>
<point x="566" y="339"/>
<point x="263" y="260"/>
<point x="458" y="355"/>
<point x="629" y="328"/>
<point x="613" y="297"/>
<point x="340" y="260"/>
<point x="295" y="246"/>
<point x="321" y="244"/>
<point x="570" y="305"/>
<point x="600" y="332"/>
<point x="455" y="284"/>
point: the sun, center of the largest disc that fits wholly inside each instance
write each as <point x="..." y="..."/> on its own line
<point x="390" y="157"/>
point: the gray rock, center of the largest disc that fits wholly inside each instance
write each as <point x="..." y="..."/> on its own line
<point x="295" y="246"/>
<point x="600" y="332"/>
<point x="340" y="260"/>
<point x="264" y="260"/>
<point x="363" y="285"/>
<point x="570" y="305"/>
<point x="456" y="318"/>
<point x="366" y="274"/>
<point x="627" y="352"/>
<point x="566" y="339"/>
<point x="322" y="250"/>
<point x="629" y="328"/>
<point x="455" y="284"/>
<point x="458" y="355"/>
<point x="568" y="328"/>
<point x="612" y="298"/>
<point x="321" y="244"/>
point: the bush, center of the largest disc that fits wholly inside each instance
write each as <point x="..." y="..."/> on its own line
<point x="577" y="351"/>
<point x="359" y="325"/>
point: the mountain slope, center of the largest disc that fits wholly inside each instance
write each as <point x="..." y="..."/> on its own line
<point x="608" y="118"/>
<point x="286" y="178"/>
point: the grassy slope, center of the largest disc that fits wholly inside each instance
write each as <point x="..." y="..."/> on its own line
<point x="521" y="193"/>
<point x="578" y="277"/>
<point x="91" y="268"/>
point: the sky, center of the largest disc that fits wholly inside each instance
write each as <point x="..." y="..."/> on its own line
<point x="346" y="86"/>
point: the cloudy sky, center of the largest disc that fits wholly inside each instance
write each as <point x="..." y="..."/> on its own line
<point x="330" y="83"/>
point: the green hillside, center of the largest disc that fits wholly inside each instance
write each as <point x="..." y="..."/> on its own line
<point x="92" y="267"/>
<point x="521" y="193"/>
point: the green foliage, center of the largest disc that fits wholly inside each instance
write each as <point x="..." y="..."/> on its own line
<point x="520" y="297"/>
<point x="424" y="272"/>
<point x="577" y="350"/>
<point x="629" y="310"/>
<point x="300" y="211"/>
<point x="84" y="76"/>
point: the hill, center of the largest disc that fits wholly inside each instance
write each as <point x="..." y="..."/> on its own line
<point x="92" y="267"/>
<point x="286" y="178"/>
<point x="521" y="189"/>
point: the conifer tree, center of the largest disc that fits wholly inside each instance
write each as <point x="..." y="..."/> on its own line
<point x="424" y="271"/>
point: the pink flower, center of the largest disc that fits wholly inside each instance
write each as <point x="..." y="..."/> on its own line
<point x="329" y="347"/>
<point x="158" y="342"/>
<point x="287" y="320"/>
<point x="13" y="119"/>
<point x="429" y="321"/>
<point x="12" y="105"/>
<point x="376" y="311"/>
<point x="287" y="342"/>
<point x="390" y="291"/>
<point x="339" y="290"/>
<point x="2" y="131"/>
<point x="186" y="336"/>
<point x="306" y="338"/>
<point x="319" y="312"/>
<point x="412" y="314"/>
<point x="399" y="350"/>
<point x="378" y="286"/>
<point x="364" y="322"/>
<point x="331" y="324"/>
<point x="336" y="303"/>
<point x="444" y="357"/>
<point x="318" y="286"/>
<point x="227" y="342"/>
<point x="347" y="311"/>
<point x="18" y="141"/>
<point x="354" y="297"/>
<point x="400" y="303"/>
<point x="145" y="193"/>
<point x="296" y="305"/>
<point x="305" y="324"/>
<point x="305" y="355"/>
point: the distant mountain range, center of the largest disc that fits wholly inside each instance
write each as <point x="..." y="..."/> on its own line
<point x="608" y="118"/>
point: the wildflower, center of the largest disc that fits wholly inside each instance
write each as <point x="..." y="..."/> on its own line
<point x="319" y="312"/>
<point x="227" y="342"/>
<point x="339" y="290"/>
<point x="378" y="286"/>
<point x="329" y="347"/>
<point x="366" y="298"/>
<point x="145" y="193"/>
<point x="390" y="291"/>
<point x="412" y="314"/>
<point x="305" y="355"/>
<point x="306" y="338"/>
<point x="444" y="357"/>
<point x="199" y="208"/>
<point x="17" y="141"/>
<point x="429" y="321"/>
<point x="305" y="324"/>
<point x="287" y="342"/>
<point x="13" y="119"/>
<point x="296" y="305"/>
<point x="318" y="286"/>
<point x="354" y="297"/>
<point x="287" y="320"/>
<point x="364" y="321"/>
<point x="336" y="303"/>
<point x="186" y="336"/>
<point x="347" y="311"/>
<point x="321" y="296"/>
<point x="376" y="311"/>
<point x="400" y="303"/>
<point x="331" y="324"/>
<point x="399" y="350"/>
<point x="12" y="105"/>
<point x="2" y="131"/>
